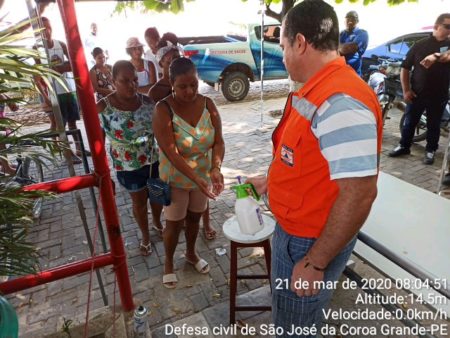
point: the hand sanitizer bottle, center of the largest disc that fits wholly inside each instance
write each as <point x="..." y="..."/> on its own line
<point x="247" y="210"/>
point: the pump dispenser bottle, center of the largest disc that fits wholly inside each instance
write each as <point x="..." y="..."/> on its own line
<point x="247" y="210"/>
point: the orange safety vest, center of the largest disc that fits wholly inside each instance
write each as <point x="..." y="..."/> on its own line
<point x="300" y="190"/>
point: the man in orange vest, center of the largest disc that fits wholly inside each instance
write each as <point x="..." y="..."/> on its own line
<point x="322" y="180"/>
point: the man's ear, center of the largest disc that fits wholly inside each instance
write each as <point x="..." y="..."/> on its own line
<point x="300" y="43"/>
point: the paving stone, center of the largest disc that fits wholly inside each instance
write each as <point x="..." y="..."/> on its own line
<point x="224" y="263"/>
<point x="42" y="312"/>
<point x="199" y="301"/>
<point x="140" y="272"/>
<point x="38" y="297"/>
<point x="218" y="276"/>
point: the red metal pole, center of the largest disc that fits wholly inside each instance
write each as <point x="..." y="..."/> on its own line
<point x="95" y="138"/>
<point x="56" y="273"/>
<point x="65" y="184"/>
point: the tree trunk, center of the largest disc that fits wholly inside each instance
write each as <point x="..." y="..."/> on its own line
<point x="287" y="5"/>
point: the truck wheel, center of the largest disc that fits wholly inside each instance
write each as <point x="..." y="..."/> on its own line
<point x="235" y="86"/>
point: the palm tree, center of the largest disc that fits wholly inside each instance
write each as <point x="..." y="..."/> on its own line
<point x="17" y="78"/>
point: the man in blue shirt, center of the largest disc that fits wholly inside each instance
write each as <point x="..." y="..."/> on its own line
<point x="353" y="42"/>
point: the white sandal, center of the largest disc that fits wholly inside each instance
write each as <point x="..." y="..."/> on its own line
<point x="201" y="266"/>
<point x="170" y="278"/>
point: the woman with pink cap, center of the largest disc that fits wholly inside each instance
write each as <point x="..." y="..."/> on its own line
<point x="145" y="69"/>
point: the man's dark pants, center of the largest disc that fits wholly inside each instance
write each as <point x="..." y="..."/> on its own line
<point x="434" y="108"/>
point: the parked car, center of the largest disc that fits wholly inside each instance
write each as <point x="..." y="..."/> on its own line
<point x="232" y="61"/>
<point x="393" y="50"/>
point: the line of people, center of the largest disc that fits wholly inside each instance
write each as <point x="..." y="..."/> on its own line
<point x="158" y="125"/>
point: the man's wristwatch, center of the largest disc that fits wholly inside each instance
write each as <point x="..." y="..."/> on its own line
<point x="437" y="56"/>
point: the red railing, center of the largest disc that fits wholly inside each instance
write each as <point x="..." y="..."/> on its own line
<point x="101" y="178"/>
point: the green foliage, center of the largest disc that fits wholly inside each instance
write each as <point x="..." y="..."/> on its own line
<point x="17" y="255"/>
<point x="368" y="2"/>
<point x="67" y="323"/>
<point x="17" y="71"/>
<point x="17" y="79"/>
<point x="174" y="6"/>
<point x="34" y="145"/>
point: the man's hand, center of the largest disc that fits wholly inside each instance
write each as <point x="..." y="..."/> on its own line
<point x="409" y="96"/>
<point x="303" y="277"/>
<point x="429" y="60"/>
<point x="259" y="182"/>
<point x="348" y="48"/>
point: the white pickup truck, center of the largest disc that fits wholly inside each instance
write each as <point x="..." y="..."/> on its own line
<point x="232" y="61"/>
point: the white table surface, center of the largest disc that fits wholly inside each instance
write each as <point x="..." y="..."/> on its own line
<point x="413" y="223"/>
<point x="233" y="233"/>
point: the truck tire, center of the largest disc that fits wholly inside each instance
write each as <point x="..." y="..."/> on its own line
<point x="235" y="86"/>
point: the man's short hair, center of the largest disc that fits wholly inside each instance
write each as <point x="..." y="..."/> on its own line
<point x="352" y="14"/>
<point x="317" y="21"/>
<point x="441" y="18"/>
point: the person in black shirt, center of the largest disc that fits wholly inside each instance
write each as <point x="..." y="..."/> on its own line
<point x="425" y="87"/>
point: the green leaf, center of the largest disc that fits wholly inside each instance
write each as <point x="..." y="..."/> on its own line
<point x="17" y="255"/>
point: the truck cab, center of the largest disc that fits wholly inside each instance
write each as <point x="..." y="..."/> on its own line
<point x="232" y="61"/>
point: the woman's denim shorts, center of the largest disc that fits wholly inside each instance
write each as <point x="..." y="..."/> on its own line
<point x="136" y="180"/>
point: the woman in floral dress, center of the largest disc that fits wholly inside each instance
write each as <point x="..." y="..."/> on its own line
<point x="100" y="75"/>
<point x="126" y="117"/>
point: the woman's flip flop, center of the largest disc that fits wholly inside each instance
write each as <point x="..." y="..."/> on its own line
<point x="146" y="250"/>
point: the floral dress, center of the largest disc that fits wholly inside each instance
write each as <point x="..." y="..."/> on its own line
<point x="103" y="80"/>
<point x="194" y="144"/>
<point x="130" y="134"/>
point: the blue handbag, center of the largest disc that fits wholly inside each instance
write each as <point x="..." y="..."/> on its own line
<point x="158" y="190"/>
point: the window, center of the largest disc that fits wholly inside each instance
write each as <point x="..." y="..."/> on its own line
<point x="410" y="41"/>
<point x="271" y="33"/>
<point x="395" y="46"/>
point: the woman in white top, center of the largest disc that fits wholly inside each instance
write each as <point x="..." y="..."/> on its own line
<point x="152" y="38"/>
<point x="145" y="69"/>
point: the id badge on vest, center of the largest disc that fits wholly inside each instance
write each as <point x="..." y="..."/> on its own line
<point x="287" y="155"/>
